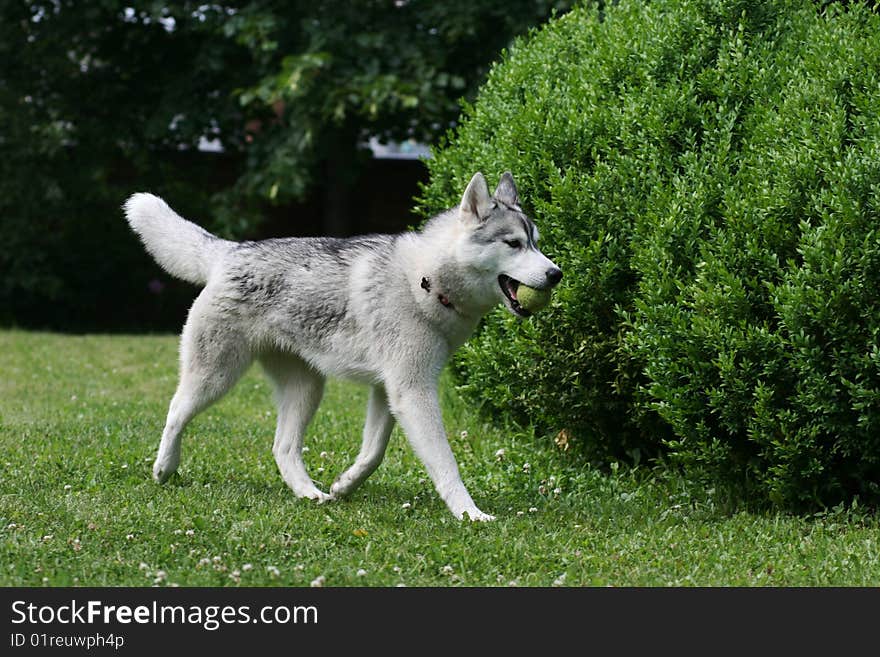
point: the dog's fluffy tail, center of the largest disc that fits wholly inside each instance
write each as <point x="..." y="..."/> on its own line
<point x="183" y="249"/>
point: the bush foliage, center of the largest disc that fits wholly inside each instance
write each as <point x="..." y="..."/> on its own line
<point x="707" y="174"/>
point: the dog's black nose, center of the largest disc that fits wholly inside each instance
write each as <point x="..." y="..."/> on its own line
<point x="554" y="275"/>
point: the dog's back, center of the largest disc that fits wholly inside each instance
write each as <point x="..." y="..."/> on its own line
<point x="308" y="295"/>
<point x="324" y="299"/>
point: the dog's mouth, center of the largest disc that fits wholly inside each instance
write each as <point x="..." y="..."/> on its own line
<point x="509" y="287"/>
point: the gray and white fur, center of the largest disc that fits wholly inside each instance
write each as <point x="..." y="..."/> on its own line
<point x="385" y="310"/>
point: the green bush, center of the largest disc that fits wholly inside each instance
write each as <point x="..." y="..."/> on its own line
<point x="707" y="174"/>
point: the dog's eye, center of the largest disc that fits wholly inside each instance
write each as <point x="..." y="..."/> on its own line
<point x="513" y="244"/>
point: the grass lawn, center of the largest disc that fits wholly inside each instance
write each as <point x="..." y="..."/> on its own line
<point x="80" y="419"/>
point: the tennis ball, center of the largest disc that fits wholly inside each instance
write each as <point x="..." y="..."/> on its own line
<point x="532" y="299"/>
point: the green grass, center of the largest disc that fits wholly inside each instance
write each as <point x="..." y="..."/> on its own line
<point x="80" y="419"/>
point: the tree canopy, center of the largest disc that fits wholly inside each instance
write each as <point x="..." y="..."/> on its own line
<point x="298" y="87"/>
<point x="99" y="97"/>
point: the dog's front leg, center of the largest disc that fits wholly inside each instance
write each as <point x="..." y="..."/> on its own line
<point x="417" y="409"/>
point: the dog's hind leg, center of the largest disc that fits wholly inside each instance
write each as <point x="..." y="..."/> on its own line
<point x="377" y="430"/>
<point x="298" y="391"/>
<point x="212" y="359"/>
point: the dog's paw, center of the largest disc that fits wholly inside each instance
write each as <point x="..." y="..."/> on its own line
<point x="323" y="497"/>
<point x="339" y="490"/>
<point x="313" y="493"/>
<point x="475" y="515"/>
<point x="161" y="472"/>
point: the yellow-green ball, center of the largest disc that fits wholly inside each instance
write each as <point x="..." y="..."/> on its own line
<point x="531" y="299"/>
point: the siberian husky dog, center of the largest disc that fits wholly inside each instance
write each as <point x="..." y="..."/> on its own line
<point x="385" y="310"/>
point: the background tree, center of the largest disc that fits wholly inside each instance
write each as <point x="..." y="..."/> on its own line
<point x="335" y="74"/>
<point x="94" y="96"/>
<point x="99" y="98"/>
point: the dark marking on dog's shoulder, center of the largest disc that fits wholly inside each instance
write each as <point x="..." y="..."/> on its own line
<point x="426" y="284"/>
<point x="342" y="247"/>
<point x="334" y="246"/>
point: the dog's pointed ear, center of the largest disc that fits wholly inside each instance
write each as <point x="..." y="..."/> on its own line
<point x="506" y="190"/>
<point x="476" y="201"/>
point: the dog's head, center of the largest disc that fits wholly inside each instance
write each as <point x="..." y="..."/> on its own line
<point x="501" y="242"/>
